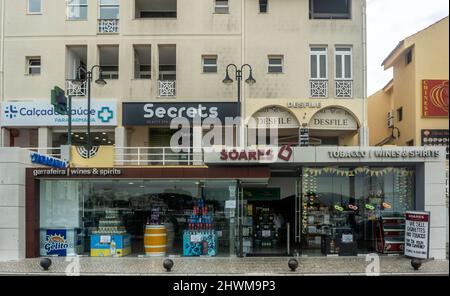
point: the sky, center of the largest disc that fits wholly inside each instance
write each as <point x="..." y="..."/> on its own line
<point x="389" y="22"/>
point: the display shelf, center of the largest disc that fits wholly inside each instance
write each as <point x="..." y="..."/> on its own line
<point x="389" y="232"/>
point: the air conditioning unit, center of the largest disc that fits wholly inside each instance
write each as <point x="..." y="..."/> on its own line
<point x="390" y="119"/>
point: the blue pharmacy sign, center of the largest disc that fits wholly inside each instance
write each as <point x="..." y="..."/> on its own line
<point x="48" y="161"/>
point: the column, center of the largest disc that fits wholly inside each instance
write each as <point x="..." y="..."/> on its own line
<point x="5" y="137"/>
<point x="121" y="143"/>
<point x="45" y="137"/>
<point x="197" y="135"/>
<point x="13" y="162"/>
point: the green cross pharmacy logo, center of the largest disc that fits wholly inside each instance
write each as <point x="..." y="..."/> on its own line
<point x="105" y="114"/>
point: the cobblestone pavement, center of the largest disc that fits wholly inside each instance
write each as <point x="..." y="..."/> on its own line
<point x="223" y="266"/>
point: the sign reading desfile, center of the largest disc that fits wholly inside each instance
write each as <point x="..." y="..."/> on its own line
<point x="417" y="234"/>
<point x="43" y="113"/>
<point x="163" y="113"/>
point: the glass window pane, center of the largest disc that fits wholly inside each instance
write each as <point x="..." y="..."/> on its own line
<point x="323" y="66"/>
<point x="348" y="66"/>
<point x="209" y="61"/>
<point x="77" y="13"/>
<point x="34" y="6"/>
<point x="78" y="2"/>
<point x="275" y="61"/>
<point x="275" y="69"/>
<point x="338" y="66"/>
<point x="209" y="69"/>
<point x="109" y="2"/>
<point x="314" y="66"/>
<point x="109" y="13"/>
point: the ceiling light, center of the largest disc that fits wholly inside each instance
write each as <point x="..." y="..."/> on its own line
<point x="103" y="133"/>
<point x="81" y="138"/>
<point x="76" y="136"/>
<point x="103" y="139"/>
<point x="97" y="138"/>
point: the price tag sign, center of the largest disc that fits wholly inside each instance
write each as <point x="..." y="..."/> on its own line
<point x="417" y="234"/>
<point x="196" y="238"/>
<point x="105" y="239"/>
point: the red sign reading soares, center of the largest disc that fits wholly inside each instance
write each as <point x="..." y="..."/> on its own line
<point x="285" y="153"/>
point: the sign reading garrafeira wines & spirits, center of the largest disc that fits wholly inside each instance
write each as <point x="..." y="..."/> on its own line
<point x="417" y="234"/>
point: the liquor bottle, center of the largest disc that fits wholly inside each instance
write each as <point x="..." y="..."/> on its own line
<point x="112" y="248"/>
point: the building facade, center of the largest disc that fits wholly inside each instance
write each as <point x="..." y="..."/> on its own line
<point x="131" y="193"/>
<point x="413" y="107"/>
<point x="308" y="59"/>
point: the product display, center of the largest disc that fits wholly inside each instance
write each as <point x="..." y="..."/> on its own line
<point x="200" y="238"/>
<point x="110" y="224"/>
<point x="110" y="238"/>
<point x="265" y="232"/>
<point x="390" y="234"/>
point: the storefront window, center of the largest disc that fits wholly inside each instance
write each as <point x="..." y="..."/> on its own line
<point x="138" y="217"/>
<point x="354" y="206"/>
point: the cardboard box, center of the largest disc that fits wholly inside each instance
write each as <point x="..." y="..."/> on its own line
<point x="101" y="245"/>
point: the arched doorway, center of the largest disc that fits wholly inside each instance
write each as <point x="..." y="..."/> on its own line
<point x="333" y="126"/>
<point x="276" y="121"/>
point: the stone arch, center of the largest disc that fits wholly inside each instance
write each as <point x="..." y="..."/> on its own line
<point x="334" y="117"/>
<point x="275" y="114"/>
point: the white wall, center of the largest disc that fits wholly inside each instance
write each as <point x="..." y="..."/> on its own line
<point x="13" y="162"/>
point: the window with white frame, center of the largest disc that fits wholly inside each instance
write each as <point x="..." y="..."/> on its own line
<point x="343" y="60"/>
<point x="34" y="6"/>
<point x="209" y="64"/>
<point x="109" y="10"/>
<point x="221" y="6"/>
<point x="77" y="10"/>
<point x="343" y="72"/>
<point x="33" y="65"/>
<point x="318" y="63"/>
<point x="275" y="64"/>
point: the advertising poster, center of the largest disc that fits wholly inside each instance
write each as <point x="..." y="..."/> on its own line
<point x="417" y="234"/>
<point x="434" y="98"/>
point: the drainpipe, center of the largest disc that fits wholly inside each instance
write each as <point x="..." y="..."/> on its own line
<point x="364" y="134"/>
<point x="242" y="140"/>
<point x="2" y="46"/>
<point x="2" y="59"/>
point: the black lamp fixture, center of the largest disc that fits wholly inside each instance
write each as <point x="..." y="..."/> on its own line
<point x="99" y="81"/>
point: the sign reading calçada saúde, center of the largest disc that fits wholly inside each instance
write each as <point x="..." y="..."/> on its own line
<point x="417" y="234"/>
<point x="43" y="113"/>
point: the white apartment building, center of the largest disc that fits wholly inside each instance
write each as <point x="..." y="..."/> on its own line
<point x="307" y="56"/>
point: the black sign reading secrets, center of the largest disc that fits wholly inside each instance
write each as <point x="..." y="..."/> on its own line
<point x="163" y="113"/>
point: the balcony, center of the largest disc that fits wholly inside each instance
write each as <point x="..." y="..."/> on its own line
<point x="166" y="88"/>
<point x="344" y="89"/>
<point x="318" y="88"/>
<point x="108" y="26"/>
<point x="75" y="90"/>
<point x="159" y="156"/>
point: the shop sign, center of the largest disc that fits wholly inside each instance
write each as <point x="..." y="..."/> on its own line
<point x="435" y="137"/>
<point x="333" y="118"/>
<point x="43" y="113"/>
<point x="48" y="161"/>
<point x="164" y="113"/>
<point x="304" y="105"/>
<point x="259" y="155"/>
<point x="434" y="98"/>
<point x="275" y="116"/>
<point x="417" y="234"/>
<point x="362" y="154"/>
<point x="56" y="243"/>
<point x="90" y="172"/>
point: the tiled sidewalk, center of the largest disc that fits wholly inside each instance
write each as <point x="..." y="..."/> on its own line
<point x="223" y="266"/>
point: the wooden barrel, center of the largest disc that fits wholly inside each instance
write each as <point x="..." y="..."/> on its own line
<point x="155" y="240"/>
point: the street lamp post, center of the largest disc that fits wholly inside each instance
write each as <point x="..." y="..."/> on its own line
<point x="238" y="76"/>
<point x="100" y="81"/>
<point x="250" y="80"/>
